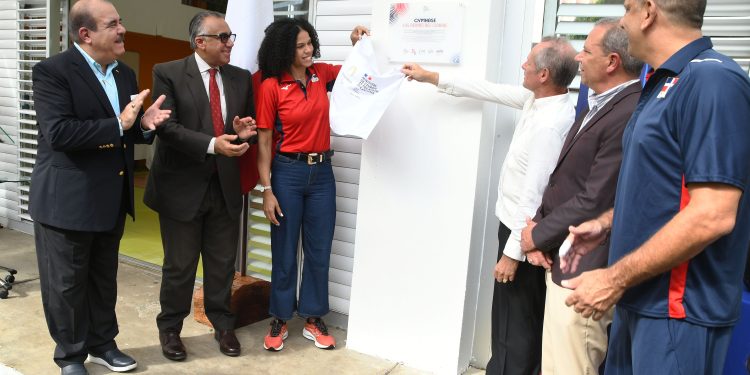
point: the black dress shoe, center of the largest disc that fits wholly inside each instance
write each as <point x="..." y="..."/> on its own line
<point x="114" y="360"/>
<point x="74" y="369"/>
<point x="228" y="343"/>
<point x="171" y="346"/>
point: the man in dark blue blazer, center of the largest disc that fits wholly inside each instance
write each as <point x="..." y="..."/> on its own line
<point x="89" y="116"/>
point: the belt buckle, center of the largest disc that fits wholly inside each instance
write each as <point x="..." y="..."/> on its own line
<point x="312" y="159"/>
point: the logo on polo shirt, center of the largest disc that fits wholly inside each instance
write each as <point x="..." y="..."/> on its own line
<point x="286" y="87"/>
<point x="671" y="82"/>
<point x="314" y="78"/>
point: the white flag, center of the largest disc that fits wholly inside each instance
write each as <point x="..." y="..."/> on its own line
<point x="248" y="19"/>
<point x="361" y="93"/>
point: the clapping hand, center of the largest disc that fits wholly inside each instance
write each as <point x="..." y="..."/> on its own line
<point x="154" y="115"/>
<point x="244" y="127"/>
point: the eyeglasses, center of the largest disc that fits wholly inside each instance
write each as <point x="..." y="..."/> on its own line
<point x="223" y="37"/>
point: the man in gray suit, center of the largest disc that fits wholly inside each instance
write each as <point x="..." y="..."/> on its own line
<point x="194" y="182"/>
<point x="582" y="185"/>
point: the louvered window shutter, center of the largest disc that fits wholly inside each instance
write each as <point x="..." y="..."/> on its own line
<point x="727" y="22"/>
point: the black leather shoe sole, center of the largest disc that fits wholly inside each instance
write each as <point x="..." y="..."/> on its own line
<point x="230" y="353"/>
<point x="174" y="356"/>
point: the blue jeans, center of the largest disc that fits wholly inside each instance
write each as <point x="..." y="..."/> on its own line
<point x="307" y="197"/>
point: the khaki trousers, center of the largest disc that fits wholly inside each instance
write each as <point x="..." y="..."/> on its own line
<point x="571" y="344"/>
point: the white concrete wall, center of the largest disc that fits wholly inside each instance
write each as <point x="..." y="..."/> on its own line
<point x="426" y="233"/>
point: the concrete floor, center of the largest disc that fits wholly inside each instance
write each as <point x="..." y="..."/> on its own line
<point x="26" y="347"/>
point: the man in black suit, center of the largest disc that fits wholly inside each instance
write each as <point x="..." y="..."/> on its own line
<point x="581" y="186"/>
<point x="82" y="183"/>
<point x="194" y="182"/>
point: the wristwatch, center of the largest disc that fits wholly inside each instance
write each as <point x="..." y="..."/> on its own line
<point x="264" y="188"/>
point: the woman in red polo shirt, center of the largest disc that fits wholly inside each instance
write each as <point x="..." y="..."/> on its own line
<point x="299" y="191"/>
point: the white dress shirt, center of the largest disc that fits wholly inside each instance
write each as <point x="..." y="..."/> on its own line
<point x="534" y="149"/>
<point x="203" y="67"/>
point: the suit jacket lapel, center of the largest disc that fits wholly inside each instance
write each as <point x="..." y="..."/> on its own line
<point x="572" y="134"/>
<point x="123" y="88"/>
<point x="83" y="69"/>
<point x="634" y="87"/>
<point x="198" y="92"/>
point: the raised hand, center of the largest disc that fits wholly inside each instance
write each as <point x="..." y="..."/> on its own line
<point x="415" y="72"/>
<point x="129" y="114"/>
<point x="154" y="115"/>
<point x="357" y="33"/>
<point x="244" y="127"/>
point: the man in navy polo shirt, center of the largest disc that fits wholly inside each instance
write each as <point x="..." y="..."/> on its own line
<point x="679" y="233"/>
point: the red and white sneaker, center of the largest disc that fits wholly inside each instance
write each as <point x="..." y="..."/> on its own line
<point x="274" y="340"/>
<point x="317" y="331"/>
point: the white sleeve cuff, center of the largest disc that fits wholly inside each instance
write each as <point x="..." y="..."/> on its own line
<point x="211" y="146"/>
<point x="445" y="83"/>
<point x="512" y="249"/>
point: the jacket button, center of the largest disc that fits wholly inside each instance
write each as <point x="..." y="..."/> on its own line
<point x="121" y="173"/>
<point x="124" y="145"/>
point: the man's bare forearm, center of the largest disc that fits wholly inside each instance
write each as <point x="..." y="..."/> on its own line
<point x="710" y="215"/>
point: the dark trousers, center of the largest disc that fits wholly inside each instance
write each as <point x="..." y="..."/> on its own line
<point x="643" y="345"/>
<point x="211" y="234"/>
<point x="517" y="316"/>
<point x="78" y="280"/>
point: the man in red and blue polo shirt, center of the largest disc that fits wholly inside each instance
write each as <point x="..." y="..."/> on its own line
<point x="678" y="229"/>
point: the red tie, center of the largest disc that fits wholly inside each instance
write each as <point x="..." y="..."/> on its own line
<point x="215" y="98"/>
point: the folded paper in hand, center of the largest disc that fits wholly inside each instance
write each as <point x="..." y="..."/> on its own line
<point x="564" y="248"/>
<point x="361" y="93"/>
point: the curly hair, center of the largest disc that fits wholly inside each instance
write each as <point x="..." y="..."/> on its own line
<point x="277" y="51"/>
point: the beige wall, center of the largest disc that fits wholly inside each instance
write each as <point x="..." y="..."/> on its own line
<point x="167" y="18"/>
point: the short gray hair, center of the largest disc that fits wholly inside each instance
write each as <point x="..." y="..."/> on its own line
<point x="615" y="40"/>
<point x="196" y="24"/>
<point x="80" y="16"/>
<point x="683" y="12"/>
<point x="559" y="59"/>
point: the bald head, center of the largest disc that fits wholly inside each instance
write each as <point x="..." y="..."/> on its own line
<point x="82" y="15"/>
<point x="97" y="28"/>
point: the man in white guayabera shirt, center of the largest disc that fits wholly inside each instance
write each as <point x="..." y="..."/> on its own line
<point x="547" y="114"/>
